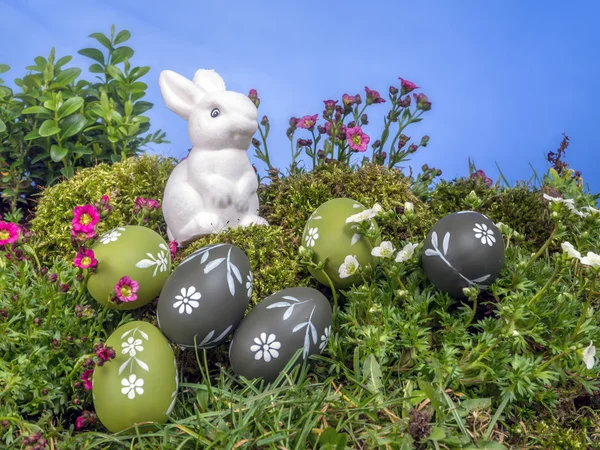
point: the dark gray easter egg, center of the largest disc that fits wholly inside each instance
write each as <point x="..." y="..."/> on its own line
<point x="463" y="249"/>
<point x="206" y="296"/>
<point x="275" y="329"/>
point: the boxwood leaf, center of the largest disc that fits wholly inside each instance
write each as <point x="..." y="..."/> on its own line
<point x="70" y="106"/>
<point x="57" y="153"/>
<point x="100" y="37"/>
<point x="4" y="68"/>
<point x="48" y="128"/>
<point x="35" y="110"/>
<point x="67" y="76"/>
<point x="92" y="53"/>
<point x="121" y="54"/>
<point x="72" y="125"/>
<point x="122" y="36"/>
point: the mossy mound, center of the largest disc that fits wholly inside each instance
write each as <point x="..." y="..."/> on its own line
<point x="144" y="176"/>
<point x="288" y="202"/>
<point x="519" y="207"/>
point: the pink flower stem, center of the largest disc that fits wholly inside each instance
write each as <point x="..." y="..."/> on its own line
<point x="314" y="152"/>
<point x="263" y="137"/>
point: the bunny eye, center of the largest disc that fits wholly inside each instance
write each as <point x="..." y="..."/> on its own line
<point x="215" y="112"/>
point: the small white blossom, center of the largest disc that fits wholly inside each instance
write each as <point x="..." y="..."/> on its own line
<point x="409" y="208"/>
<point x="589" y="354"/>
<point x="377" y="208"/>
<point x="349" y="267"/>
<point x="385" y="250"/>
<point x="570" y="250"/>
<point x="591" y="259"/>
<point x="589" y="208"/>
<point x="361" y="216"/>
<point x="406" y="253"/>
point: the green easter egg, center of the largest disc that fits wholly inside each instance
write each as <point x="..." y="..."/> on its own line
<point x="137" y="252"/>
<point x="327" y="232"/>
<point x="140" y="384"/>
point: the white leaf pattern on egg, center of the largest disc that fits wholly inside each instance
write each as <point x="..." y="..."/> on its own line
<point x="207" y="338"/>
<point x="299" y="326"/>
<point x="434" y="239"/>
<point x="122" y="366"/>
<point x="289" y="297"/>
<point x="481" y="279"/>
<point x="288" y="313"/>
<point x="430" y="252"/>
<point x="204" y="258"/>
<point x="224" y="333"/>
<point x="279" y="305"/>
<point x="236" y="272"/>
<point x="142" y="364"/>
<point x="211" y="265"/>
<point x="163" y="246"/>
<point x="145" y="263"/>
<point x="124" y="335"/>
<point x="355" y="239"/>
<point x="314" y="333"/>
<point x="356" y="205"/>
<point x="144" y="335"/>
<point x="446" y="242"/>
<point x="230" y="283"/>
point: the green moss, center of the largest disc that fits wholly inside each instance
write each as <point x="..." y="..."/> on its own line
<point x="520" y="208"/>
<point x="144" y="176"/>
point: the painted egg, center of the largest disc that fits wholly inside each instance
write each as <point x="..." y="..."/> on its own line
<point x="327" y="232"/>
<point x="140" y="384"/>
<point x="206" y="296"/>
<point x="463" y="249"/>
<point x="138" y="253"/>
<point x="275" y="329"/>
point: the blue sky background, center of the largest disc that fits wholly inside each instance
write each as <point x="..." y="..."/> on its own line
<point x="506" y="78"/>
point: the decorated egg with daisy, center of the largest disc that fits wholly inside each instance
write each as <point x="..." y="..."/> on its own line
<point x="463" y="249"/>
<point x="206" y="296"/>
<point x="133" y="264"/>
<point x="140" y="383"/>
<point x="331" y="231"/>
<point x="291" y="320"/>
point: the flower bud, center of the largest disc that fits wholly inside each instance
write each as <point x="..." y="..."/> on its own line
<point x="413" y="148"/>
<point x="402" y="141"/>
<point x="320" y="154"/>
<point x="424" y="141"/>
<point x="375" y="145"/>
<point x="364" y="119"/>
<point x="409" y="207"/>
<point x="405" y="102"/>
<point x="351" y="124"/>
<point x="393" y="90"/>
<point x="321" y="129"/>
<point x="264" y="121"/>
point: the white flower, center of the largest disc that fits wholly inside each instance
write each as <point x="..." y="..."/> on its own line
<point x="589" y="354"/>
<point x="349" y="267"/>
<point x="377" y="208"/>
<point x="384" y="250"/>
<point x="591" y="259"/>
<point x="406" y="253"/>
<point x="249" y="279"/>
<point x="589" y="208"/>
<point x="366" y="214"/>
<point x="325" y="339"/>
<point x="132" y="346"/>
<point x="570" y="250"/>
<point x="569" y="203"/>
<point x="485" y="234"/>
<point x="111" y="236"/>
<point x="313" y="235"/>
<point x="409" y="208"/>
<point x="187" y="300"/>
<point x="265" y="348"/>
<point x="132" y="386"/>
<point x="161" y="261"/>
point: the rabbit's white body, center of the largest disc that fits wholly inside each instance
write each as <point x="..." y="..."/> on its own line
<point x="214" y="188"/>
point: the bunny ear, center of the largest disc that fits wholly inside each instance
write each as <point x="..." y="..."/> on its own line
<point x="179" y="94"/>
<point x="209" y="80"/>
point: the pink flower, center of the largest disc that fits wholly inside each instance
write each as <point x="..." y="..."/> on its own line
<point x="480" y="174"/>
<point x="83" y="235"/>
<point x="146" y="204"/>
<point x="9" y="233"/>
<point x="126" y="289"/>
<point x="373" y="96"/>
<point x="341" y="129"/>
<point x="407" y="86"/>
<point x="348" y="100"/>
<point x="357" y="140"/>
<point x="330" y="104"/>
<point x="86" y="377"/>
<point x="307" y="122"/>
<point x="85" y="218"/>
<point x="85" y="419"/>
<point x="85" y="259"/>
<point x="422" y="102"/>
<point x="173" y="247"/>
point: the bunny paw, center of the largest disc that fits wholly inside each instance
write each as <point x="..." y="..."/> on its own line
<point x="253" y="220"/>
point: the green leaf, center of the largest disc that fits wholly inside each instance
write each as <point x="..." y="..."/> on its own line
<point x="70" y="106"/>
<point x="50" y="104"/>
<point x="100" y="37"/>
<point x="476" y="403"/>
<point x="138" y="72"/>
<point x="93" y="53"/>
<point x="122" y="36"/>
<point x="32" y="135"/>
<point x="62" y="61"/>
<point x="40" y="61"/>
<point x="115" y="72"/>
<point x="2" y="126"/>
<point x="39" y="157"/>
<point x="485" y="445"/>
<point x="5" y="92"/>
<point x="96" y="68"/>
<point x="121" y="54"/>
<point x="67" y="172"/>
<point x="4" y="68"/>
<point x="48" y="129"/>
<point x="58" y="154"/>
<point x="67" y="76"/>
<point x="437" y="434"/>
<point x="372" y="372"/>
<point x="35" y="110"/>
<point x="141" y="107"/>
<point x="83" y="151"/>
<point x="72" y="125"/>
<point x="138" y="86"/>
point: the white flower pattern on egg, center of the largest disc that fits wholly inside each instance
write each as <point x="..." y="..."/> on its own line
<point x="132" y="386"/>
<point x="132" y="346"/>
<point x="249" y="280"/>
<point x="265" y="347"/>
<point x="483" y="233"/>
<point x="187" y="300"/>
<point x="325" y="339"/>
<point x="111" y="236"/>
<point x="160" y="261"/>
<point x="313" y="235"/>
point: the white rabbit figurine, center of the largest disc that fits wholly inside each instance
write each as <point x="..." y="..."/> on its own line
<point x="214" y="188"/>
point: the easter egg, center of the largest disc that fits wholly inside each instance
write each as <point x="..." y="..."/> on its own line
<point x="330" y="236"/>
<point x="275" y="329"/>
<point x="463" y="249"/>
<point x="138" y="253"/>
<point x="205" y="298"/>
<point x="140" y="384"/>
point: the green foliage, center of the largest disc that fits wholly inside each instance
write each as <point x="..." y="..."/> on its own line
<point x="144" y="176"/>
<point x="59" y="123"/>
